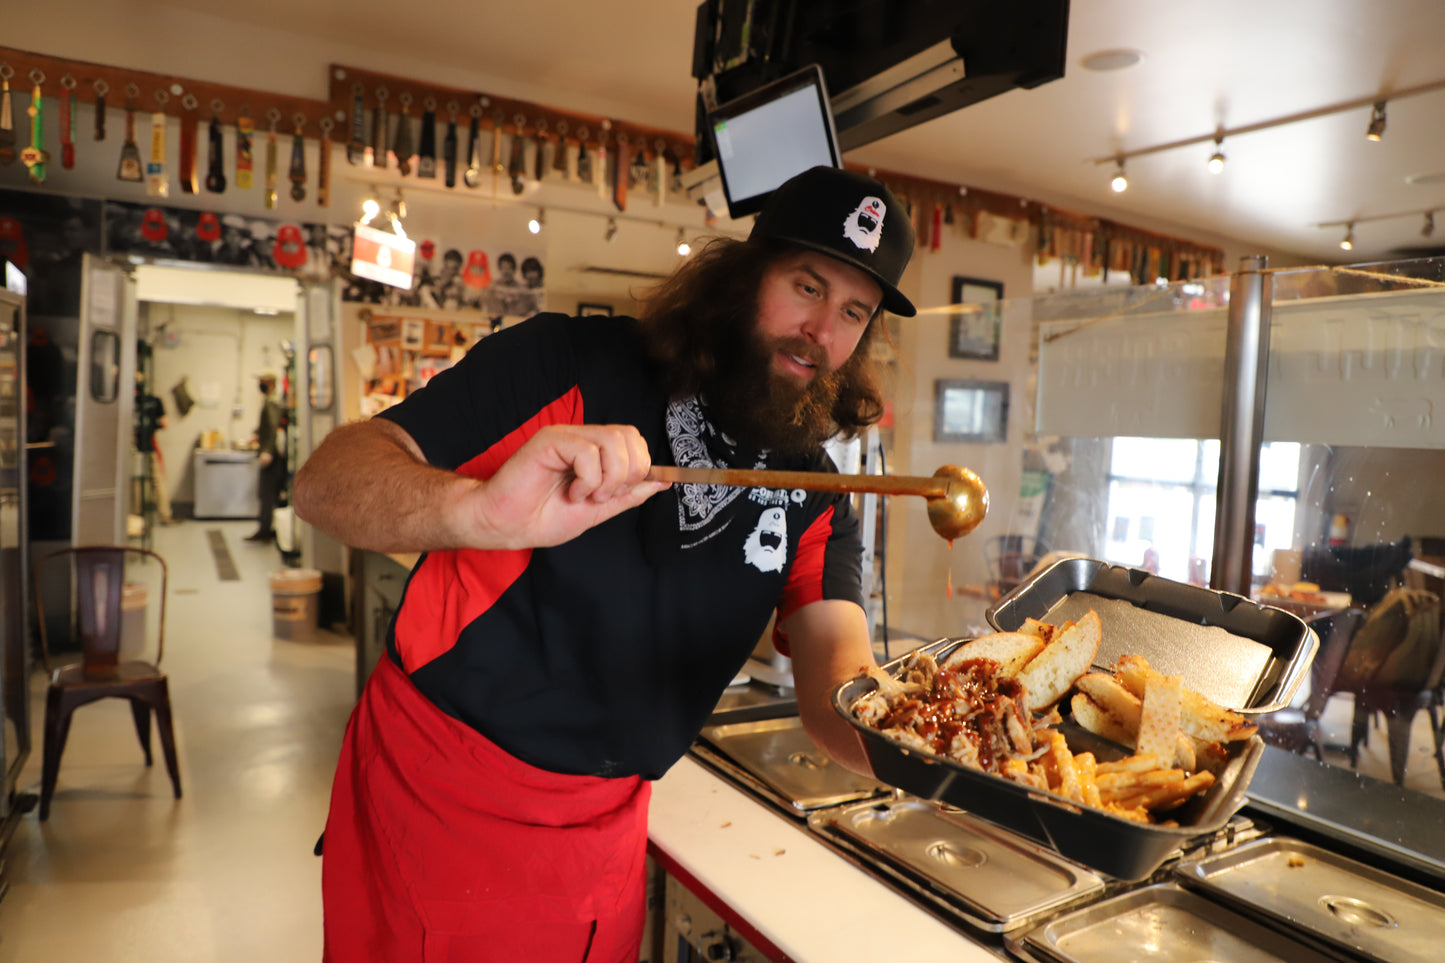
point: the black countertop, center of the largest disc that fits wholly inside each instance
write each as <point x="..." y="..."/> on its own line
<point x="1404" y="831"/>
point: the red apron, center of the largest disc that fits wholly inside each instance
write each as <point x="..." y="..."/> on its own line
<point x="440" y="846"/>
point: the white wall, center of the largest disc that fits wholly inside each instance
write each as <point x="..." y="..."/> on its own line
<point x="219" y="351"/>
<point x="919" y="560"/>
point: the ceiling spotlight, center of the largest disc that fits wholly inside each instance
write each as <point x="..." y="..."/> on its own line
<point x="535" y="224"/>
<point x="1120" y="183"/>
<point x="1216" y="160"/>
<point x="683" y="248"/>
<point x="1347" y="243"/>
<point x="1428" y="227"/>
<point x="1377" y="122"/>
<point x="611" y="230"/>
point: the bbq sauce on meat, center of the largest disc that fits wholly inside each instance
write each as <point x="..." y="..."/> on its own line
<point x="968" y="699"/>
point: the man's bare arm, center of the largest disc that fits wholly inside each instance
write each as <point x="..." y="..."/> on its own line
<point x="368" y="485"/>
<point x="829" y="645"/>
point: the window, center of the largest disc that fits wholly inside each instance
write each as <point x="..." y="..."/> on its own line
<point x="1161" y="504"/>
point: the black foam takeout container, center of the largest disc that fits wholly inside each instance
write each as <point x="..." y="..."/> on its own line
<point x="1244" y="656"/>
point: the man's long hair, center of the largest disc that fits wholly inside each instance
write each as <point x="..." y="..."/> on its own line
<point x="709" y="306"/>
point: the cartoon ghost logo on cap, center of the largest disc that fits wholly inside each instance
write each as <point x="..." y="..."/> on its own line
<point x="864" y="227"/>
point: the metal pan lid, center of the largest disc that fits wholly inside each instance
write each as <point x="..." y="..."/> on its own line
<point x="778" y="753"/>
<point x="1171" y="925"/>
<point x="996" y="879"/>
<point x="1236" y="652"/>
<point x="1331" y="897"/>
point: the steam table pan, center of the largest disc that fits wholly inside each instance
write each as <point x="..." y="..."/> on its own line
<point x="1370" y="913"/>
<point x="1161" y="924"/>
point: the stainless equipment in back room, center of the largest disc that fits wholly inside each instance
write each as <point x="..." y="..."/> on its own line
<point x="226" y="484"/>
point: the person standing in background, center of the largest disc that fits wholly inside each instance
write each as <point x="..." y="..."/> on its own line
<point x="272" y="458"/>
<point x="150" y="416"/>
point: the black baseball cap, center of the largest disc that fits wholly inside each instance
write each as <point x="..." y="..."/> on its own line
<point x="849" y="216"/>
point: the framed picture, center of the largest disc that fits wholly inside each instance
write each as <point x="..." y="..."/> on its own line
<point x="970" y="411"/>
<point x="382" y="329"/>
<point x="413" y="334"/>
<point x="438" y="339"/>
<point x="584" y="309"/>
<point x="974" y="329"/>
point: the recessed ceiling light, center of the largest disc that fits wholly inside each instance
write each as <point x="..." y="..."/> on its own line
<point x="1120" y="59"/>
<point x="1436" y="178"/>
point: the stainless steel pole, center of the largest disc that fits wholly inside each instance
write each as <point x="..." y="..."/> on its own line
<point x="1241" y="432"/>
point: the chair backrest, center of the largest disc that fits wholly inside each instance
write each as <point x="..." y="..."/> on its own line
<point x="1409" y="666"/>
<point x="1010" y="558"/>
<point x="98" y="590"/>
<point x="1396" y="645"/>
<point x="1337" y="632"/>
<point x="1367" y="572"/>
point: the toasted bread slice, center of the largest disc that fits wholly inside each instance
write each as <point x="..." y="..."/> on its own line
<point x="1159" y="720"/>
<point x="1010" y="650"/>
<point x="1044" y="630"/>
<point x="1200" y="718"/>
<point x="1091" y="716"/>
<point x="1052" y="672"/>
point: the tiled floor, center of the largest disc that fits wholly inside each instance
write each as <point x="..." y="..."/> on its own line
<point x="122" y="871"/>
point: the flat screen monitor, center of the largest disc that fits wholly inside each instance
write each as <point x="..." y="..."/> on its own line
<point x="766" y="136"/>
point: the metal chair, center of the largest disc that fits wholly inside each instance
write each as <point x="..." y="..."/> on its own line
<point x="1297" y="728"/>
<point x="1395" y="662"/>
<point x="1010" y="558"/>
<point x="98" y="588"/>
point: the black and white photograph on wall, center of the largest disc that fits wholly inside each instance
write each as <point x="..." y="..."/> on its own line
<point x="174" y="234"/>
<point x="453" y="276"/>
<point x="441" y="282"/>
<point x="45" y="236"/>
<point x="518" y="285"/>
<point x="973" y="331"/>
<point x="310" y="250"/>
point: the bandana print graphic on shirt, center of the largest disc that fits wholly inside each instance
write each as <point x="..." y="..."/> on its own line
<point x="864" y="226"/>
<point x="696" y="443"/>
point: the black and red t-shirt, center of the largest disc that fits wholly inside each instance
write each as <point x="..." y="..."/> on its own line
<point x="604" y="655"/>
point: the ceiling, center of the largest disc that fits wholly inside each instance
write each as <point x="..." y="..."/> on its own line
<point x="1226" y="63"/>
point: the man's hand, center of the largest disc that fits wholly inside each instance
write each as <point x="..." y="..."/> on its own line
<point x="563" y="481"/>
<point x="369" y="486"/>
<point x="264" y="458"/>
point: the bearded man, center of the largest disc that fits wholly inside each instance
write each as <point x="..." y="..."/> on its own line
<point x="572" y="624"/>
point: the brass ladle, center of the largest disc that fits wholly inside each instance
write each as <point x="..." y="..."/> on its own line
<point x="957" y="498"/>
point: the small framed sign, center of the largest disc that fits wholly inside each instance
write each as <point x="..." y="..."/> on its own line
<point x="973" y="331"/>
<point x="970" y="411"/>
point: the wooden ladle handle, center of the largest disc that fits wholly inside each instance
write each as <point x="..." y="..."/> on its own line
<point x="957" y="498"/>
<point x="815" y="481"/>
